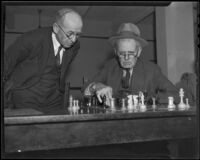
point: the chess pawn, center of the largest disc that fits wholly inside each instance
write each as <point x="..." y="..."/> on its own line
<point x="187" y="104"/>
<point x="181" y="105"/>
<point x="123" y="105"/>
<point x="135" y="102"/>
<point x="143" y="107"/>
<point x="171" y="105"/>
<point x="154" y="103"/>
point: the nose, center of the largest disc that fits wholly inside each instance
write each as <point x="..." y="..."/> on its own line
<point x="126" y="56"/>
<point x="74" y="38"/>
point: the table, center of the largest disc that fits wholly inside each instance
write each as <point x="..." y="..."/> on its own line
<point x="98" y="127"/>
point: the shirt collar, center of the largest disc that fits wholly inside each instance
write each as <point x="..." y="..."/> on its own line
<point x="56" y="44"/>
<point x="124" y="72"/>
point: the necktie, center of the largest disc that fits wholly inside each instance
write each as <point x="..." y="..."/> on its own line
<point x="125" y="80"/>
<point x="58" y="56"/>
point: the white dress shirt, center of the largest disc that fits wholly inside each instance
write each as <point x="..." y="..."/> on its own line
<point x="56" y="45"/>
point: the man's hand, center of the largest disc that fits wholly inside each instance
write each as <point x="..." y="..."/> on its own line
<point x="100" y="90"/>
<point x="104" y="91"/>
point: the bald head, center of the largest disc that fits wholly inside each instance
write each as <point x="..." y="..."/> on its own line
<point x="67" y="15"/>
<point x="67" y="26"/>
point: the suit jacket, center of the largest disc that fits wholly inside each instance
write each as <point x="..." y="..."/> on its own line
<point x="146" y="76"/>
<point x="25" y="60"/>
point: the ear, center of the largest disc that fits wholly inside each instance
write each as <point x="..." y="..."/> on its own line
<point x="115" y="51"/>
<point x="55" y="28"/>
<point x="139" y="51"/>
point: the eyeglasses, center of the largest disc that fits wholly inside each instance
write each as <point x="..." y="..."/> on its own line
<point x="70" y="34"/>
<point x="130" y="55"/>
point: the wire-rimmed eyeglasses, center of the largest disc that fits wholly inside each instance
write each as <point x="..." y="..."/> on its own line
<point x="70" y="34"/>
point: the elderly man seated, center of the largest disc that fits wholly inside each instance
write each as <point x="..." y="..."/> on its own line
<point x="128" y="72"/>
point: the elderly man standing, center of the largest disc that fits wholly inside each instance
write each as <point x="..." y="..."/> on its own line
<point x="128" y="72"/>
<point x="37" y="63"/>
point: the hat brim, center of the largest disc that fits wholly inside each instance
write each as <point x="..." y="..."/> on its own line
<point x="113" y="39"/>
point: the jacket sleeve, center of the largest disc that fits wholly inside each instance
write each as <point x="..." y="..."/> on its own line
<point x="164" y="87"/>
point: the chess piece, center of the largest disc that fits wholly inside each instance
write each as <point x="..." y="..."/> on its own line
<point x="154" y="103"/>
<point x="135" y="103"/>
<point x="130" y="102"/>
<point x="123" y="105"/>
<point x="181" y="105"/>
<point x="187" y="104"/>
<point x="171" y="105"/>
<point x="73" y="109"/>
<point x="112" y="103"/>
<point x="142" y="106"/>
<point x="77" y="106"/>
<point x="70" y="100"/>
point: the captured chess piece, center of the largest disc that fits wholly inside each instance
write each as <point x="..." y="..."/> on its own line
<point x="171" y="105"/>
<point x="181" y="105"/>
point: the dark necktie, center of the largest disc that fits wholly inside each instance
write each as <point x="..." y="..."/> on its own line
<point x="125" y="80"/>
<point x="58" y="56"/>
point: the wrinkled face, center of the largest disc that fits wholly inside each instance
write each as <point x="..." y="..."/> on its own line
<point x="68" y="30"/>
<point x="127" y="50"/>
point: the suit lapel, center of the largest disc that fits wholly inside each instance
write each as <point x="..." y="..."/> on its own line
<point x="47" y="50"/>
<point x="137" y="78"/>
<point x="68" y="56"/>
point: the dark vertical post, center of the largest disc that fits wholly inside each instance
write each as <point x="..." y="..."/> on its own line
<point x="154" y="30"/>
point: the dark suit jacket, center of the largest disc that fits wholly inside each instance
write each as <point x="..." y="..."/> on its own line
<point x="25" y="60"/>
<point x="146" y="76"/>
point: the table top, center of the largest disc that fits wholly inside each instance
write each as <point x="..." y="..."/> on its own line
<point x="28" y="116"/>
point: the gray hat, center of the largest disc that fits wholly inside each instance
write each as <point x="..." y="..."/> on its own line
<point x="128" y="30"/>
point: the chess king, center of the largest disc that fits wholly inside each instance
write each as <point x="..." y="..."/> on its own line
<point x="128" y="72"/>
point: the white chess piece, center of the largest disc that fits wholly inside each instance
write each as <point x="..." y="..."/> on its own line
<point x="74" y="110"/>
<point x="112" y="103"/>
<point x="143" y="107"/>
<point x="135" y="103"/>
<point x="77" y="106"/>
<point x="171" y="105"/>
<point x="70" y="104"/>
<point x="187" y="104"/>
<point x="70" y="100"/>
<point x="123" y="105"/>
<point x="181" y="105"/>
<point x="154" y="103"/>
<point x="130" y="103"/>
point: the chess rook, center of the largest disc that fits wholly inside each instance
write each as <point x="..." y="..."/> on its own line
<point x="171" y="105"/>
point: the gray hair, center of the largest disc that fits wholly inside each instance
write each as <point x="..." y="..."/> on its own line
<point x="138" y="45"/>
